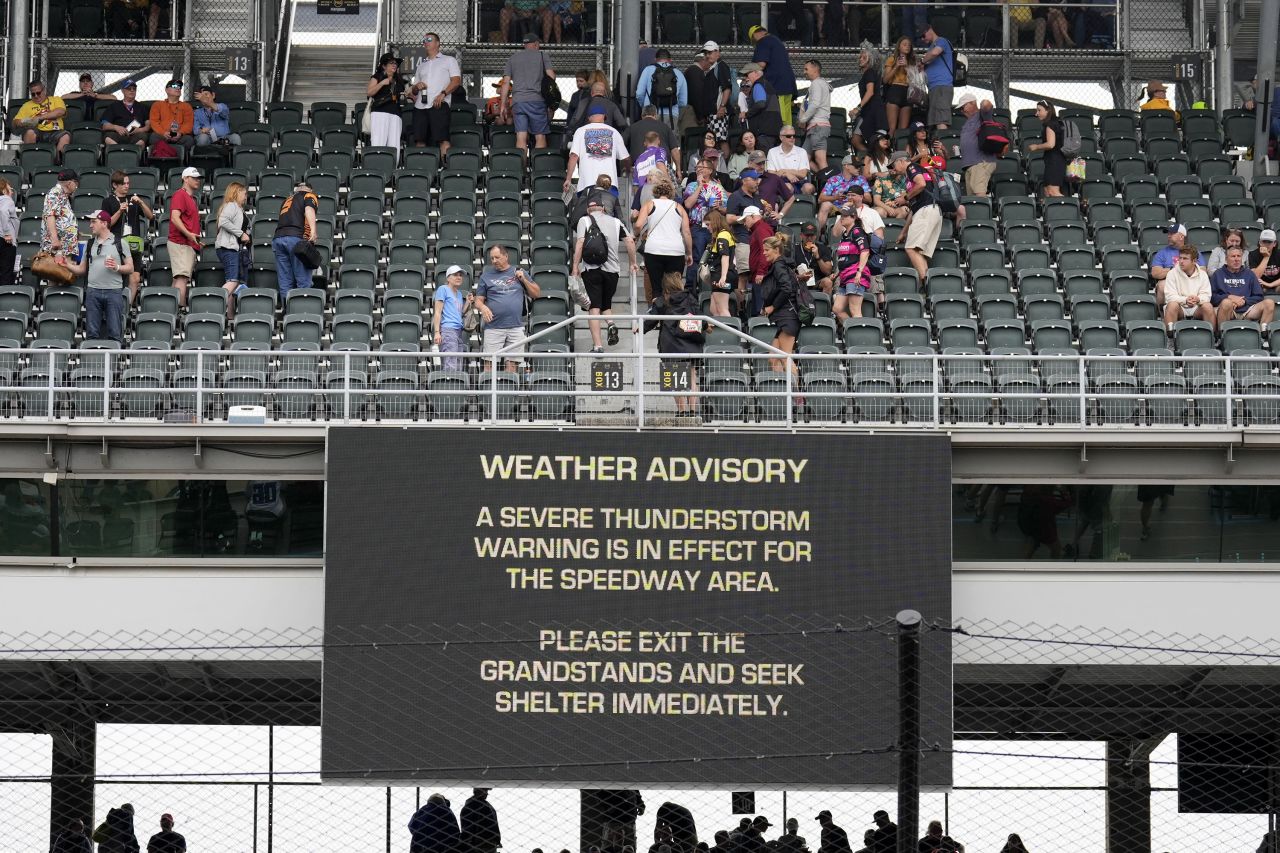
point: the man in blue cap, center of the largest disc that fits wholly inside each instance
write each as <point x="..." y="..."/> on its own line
<point x="596" y="150"/>
<point x="1167" y="258"/>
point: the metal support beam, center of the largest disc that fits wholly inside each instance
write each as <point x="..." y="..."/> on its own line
<point x="1268" y="26"/>
<point x="1129" y="795"/>
<point x="1222" y="58"/>
<point x="19" y="35"/>
<point x="73" y="765"/>
<point x="908" y="730"/>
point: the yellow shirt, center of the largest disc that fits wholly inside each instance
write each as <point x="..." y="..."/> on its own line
<point x="1161" y="104"/>
<point x="1022" y="13"/>
<point x="31" y="109"/>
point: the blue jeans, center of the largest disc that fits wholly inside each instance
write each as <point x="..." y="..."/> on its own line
<point x="105" y="305"/>
<point x="290" y="272"/>
<point x="701" y="237"/>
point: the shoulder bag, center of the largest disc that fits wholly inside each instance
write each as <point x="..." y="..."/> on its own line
<point x="649" y="226"/>
<point x="45" y="266"/>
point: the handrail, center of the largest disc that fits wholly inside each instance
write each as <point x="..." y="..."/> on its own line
<point x="919" y="391"/>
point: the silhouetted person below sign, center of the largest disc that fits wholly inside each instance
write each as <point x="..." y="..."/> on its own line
<point x="166" y="840"/>
<point x="792" y="841"/>
<point x="885" y="839"/>
<point x="677" y="827"/>
<point x="479" y="824"/>
<point x="115" y="834"/>
<point x="433" y="827"/>
<point x="834" y="838"/>
<point x="72" y="840"/>
<point x="935" y="841"/>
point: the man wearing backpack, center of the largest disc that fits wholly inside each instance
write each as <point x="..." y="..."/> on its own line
<point x="940" y="69"/>
<point x="977" y="160"/>
<point x="595" y="258"/>
<point x="525" y="71"/>
<point x="105" y="262"/>
<point x="664" y="86"/>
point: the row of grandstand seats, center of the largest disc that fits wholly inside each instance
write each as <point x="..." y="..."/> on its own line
<point x="358" y="318"/>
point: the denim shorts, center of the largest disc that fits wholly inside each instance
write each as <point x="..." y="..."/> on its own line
<point x="230" y="260"/>
<point x="531" y="117"/>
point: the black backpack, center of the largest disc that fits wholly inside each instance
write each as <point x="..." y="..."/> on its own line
<point x="993" y="137"/>
<point x="662" y="88"/>
<point x="550" y="92"/>
<point x="806" y="310"/>
<point x="595" y="246"/>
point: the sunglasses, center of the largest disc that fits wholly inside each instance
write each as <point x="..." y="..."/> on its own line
<point x="788" y="136"/>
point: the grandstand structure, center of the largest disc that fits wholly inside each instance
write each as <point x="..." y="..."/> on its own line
<point x="170" y="494"/>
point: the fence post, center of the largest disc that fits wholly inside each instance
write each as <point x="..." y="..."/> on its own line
<point x="908" y="730"/>
<point x="271" y="784"/>
<point x="388" y="819"/>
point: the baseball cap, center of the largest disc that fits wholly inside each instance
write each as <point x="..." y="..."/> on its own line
<point x="192" y="172"/>
<point x="809" y="228"/>
<point x="173" y="84"/>
<point x="881" y="133"/>
<point x="823" y="814"/>
<point x="761" y="821"/>
<point x="848" y="160"/>
<point x="749" y="173"/>
<point x="454" y="269"/>
<point x="128" y="84"/>
<point x="881" y="813"/>
<point x="899" y="155"/>
<point x="1154" y="86"/>
<point x="917" y="125"/>
<point x="848" y="210"/>
<point x="597" y="110"/>
<point x="755" y="28"/>
<point x="757" y="156"/>
<point x="167" y="816"/>
<point x="531" y="38"/>
<point x="1267" y="235"/>
<point x="68" y="175"/>
<point x="710" y="46"/>
<point x="750" y="67"/>
<point x="1176" y="228"/>
<point x="751" y="210"/>
<point x="86" y="76"/>
<point x="968" y="98"/>
<point x="204" y="89"/>
<point x="99" y="214"/>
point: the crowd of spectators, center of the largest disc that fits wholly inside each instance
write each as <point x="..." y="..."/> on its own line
<point x="716" y="215"/>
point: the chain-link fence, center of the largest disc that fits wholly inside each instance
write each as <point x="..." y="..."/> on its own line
<point x="1100" y="739"/>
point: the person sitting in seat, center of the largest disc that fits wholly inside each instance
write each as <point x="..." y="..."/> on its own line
<point x="1186" y="290"/>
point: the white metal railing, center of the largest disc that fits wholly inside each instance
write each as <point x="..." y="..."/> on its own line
<point x="738" y="380"/>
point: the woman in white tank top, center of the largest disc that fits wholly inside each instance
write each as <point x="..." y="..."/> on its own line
<point x="663" y="224"/>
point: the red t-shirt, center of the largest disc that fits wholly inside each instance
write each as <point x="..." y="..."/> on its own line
<point x="190" y="215"/>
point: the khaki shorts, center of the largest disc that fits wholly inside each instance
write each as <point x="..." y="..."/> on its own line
<point x="925" y="229"/>
<point x="977" y="178"/>
<point x="496" y="339"/>
<point x="742" y="258"/>
<point x="182" y="260"/>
